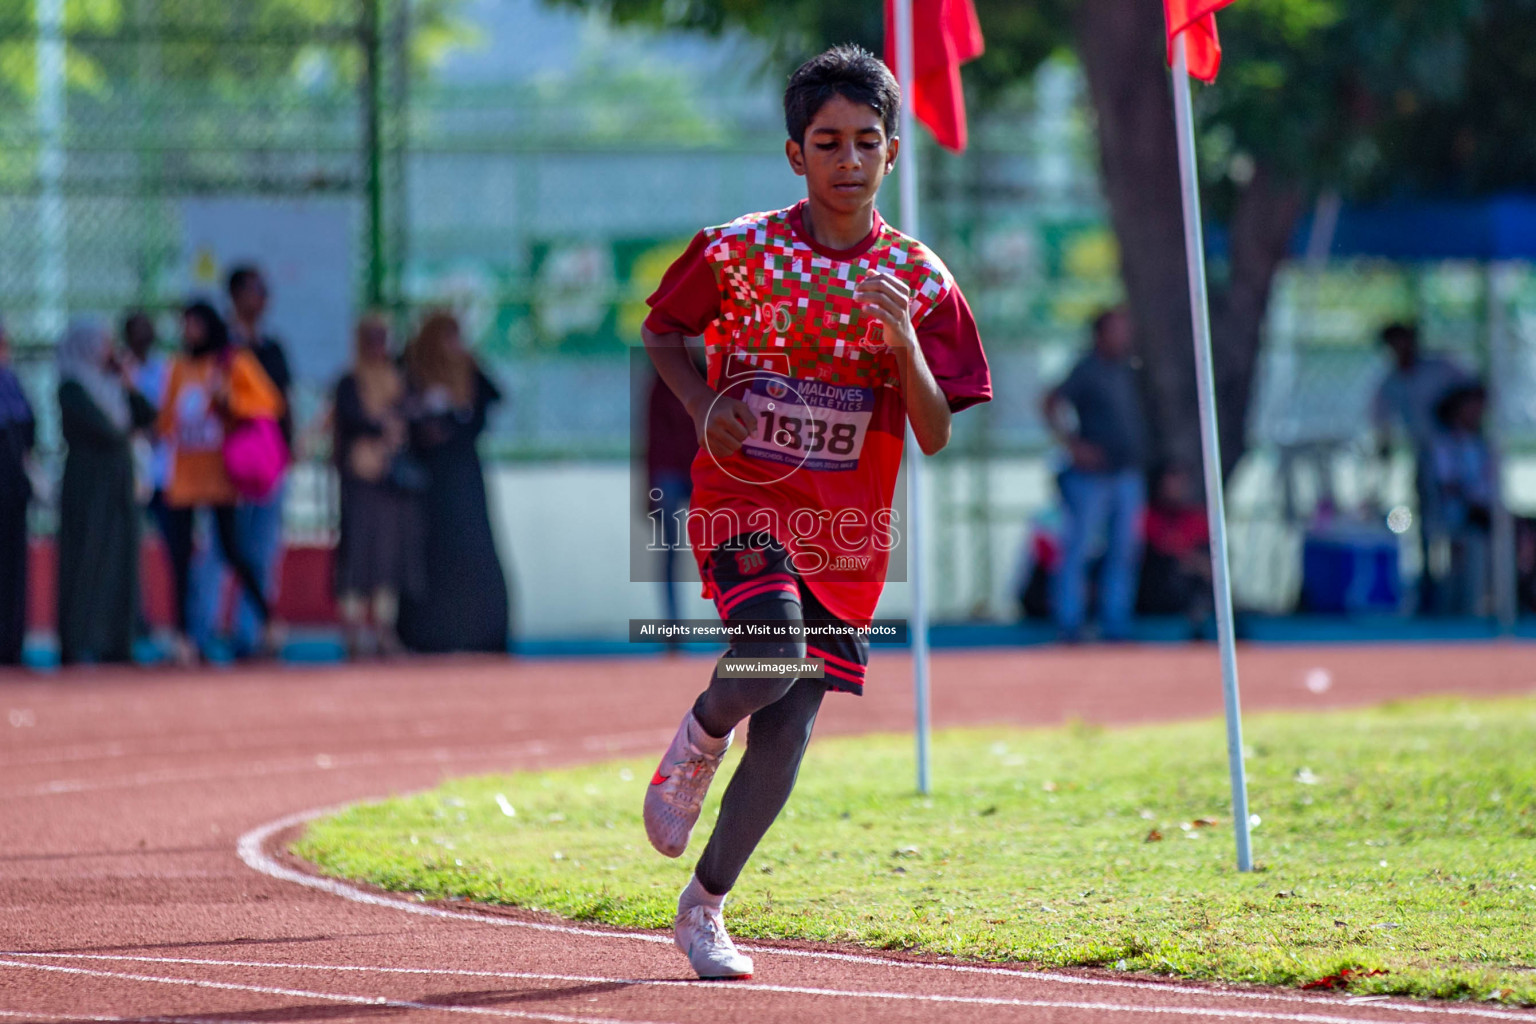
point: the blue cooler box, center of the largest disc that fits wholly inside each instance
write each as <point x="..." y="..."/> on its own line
<point x="1351" y="568"/>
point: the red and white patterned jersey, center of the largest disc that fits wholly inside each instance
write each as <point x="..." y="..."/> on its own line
<point x="784" y="333"/>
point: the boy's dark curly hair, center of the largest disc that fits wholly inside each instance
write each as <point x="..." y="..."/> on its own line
<point x="849" y="71"/>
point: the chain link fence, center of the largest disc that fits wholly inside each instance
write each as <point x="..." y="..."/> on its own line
<point x="151" y="145"/>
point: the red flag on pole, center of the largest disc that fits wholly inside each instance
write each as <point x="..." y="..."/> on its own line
<point x="1197" y="19"/>
<point x="945" y="34"/>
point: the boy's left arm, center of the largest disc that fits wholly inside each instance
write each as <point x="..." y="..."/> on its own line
<point x="930" y="403"/>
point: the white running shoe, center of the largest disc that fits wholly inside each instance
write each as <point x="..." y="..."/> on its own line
<point x="677" y="790"/>
<point x="700" y="933"/>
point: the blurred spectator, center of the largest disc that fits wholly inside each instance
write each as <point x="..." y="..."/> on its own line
<point x="1464" y="487"/>
<point x="1525" y="563"/>
<point x="149" y="370"/>
<point x="1407" y="400"/>
<point x="98" y="537"/>
<point x="378" y="558"/>
<point x="671" y="442"/>
<point x="464" y="605"/>
<point x="211" y="387"/>
<point x="1040" y="559"/>
<point x="260" y="523"/>
<point x="1176" y="566"/>
<point x="18" y="432"/>
<point x="1103" y="488"/>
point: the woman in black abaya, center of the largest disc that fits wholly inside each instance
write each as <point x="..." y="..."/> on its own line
<point x="464" y="604"/>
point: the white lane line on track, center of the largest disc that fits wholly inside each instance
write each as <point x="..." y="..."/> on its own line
<point x="585" y="979"/>
<point x="68" y="755"/>
<point x="911" y="997"/>
<point x="33" y="1015"/>
<point x="252" y="850"/>
<point x="321" y="761"/>
<point x="333" y="997"/>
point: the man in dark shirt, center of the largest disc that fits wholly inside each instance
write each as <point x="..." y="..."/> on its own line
<point x="1104" y="487"/>
<point x="1406" y="401"/>
<point x="248" y="301"/>
<point x="260" y="524"/>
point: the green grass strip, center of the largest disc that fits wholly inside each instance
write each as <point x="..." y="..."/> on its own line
<point x="1399" y="839"/>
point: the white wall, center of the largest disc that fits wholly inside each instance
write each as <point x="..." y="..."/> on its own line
<point x="564" y="532"/>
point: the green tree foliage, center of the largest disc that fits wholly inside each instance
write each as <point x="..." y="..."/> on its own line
<point x="1368" y="98"/>
<point x="1384" y="97"/>
<point x="1371" y="97"/>
<point x="1020" y="35"/>
<point x="213" y="45"/>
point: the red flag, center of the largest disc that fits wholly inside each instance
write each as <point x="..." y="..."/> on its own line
<point x="945" y="34"/>
<point x="1197" y="20"/>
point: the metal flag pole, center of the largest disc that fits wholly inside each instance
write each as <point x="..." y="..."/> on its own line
<point x="1210" y="443"/>
<point x="916" y="538"/>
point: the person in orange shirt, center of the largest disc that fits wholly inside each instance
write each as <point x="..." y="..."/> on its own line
<point x="211" y="387"/>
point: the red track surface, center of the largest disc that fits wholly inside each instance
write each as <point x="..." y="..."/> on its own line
<point x="124" y="795"/>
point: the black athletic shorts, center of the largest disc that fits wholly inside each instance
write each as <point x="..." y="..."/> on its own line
<point x="751" y="572"/>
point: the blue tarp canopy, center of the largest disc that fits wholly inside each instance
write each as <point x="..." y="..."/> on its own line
<point x="1489" y="230"/>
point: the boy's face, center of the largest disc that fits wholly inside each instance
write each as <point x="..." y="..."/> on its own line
<point x="845" y="157"/>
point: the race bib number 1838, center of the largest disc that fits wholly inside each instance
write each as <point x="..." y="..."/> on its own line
<point x="808" y="423"/>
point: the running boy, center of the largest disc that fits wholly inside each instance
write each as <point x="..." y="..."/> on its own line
<point x="826" y="332"/>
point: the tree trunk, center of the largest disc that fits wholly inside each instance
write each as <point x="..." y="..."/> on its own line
<point x="1119" y="44"/>
<point x="1260" y="233"/>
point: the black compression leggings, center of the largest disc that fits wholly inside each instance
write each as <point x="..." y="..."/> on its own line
<point x="782" y="714"/>
<point x="178" y="542"/>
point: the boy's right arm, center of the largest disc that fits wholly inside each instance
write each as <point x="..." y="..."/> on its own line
<point x="722" y="423"/>
<point x="685" y="303"/>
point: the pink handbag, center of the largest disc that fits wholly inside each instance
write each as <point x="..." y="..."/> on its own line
<point x="255" y="457"/>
